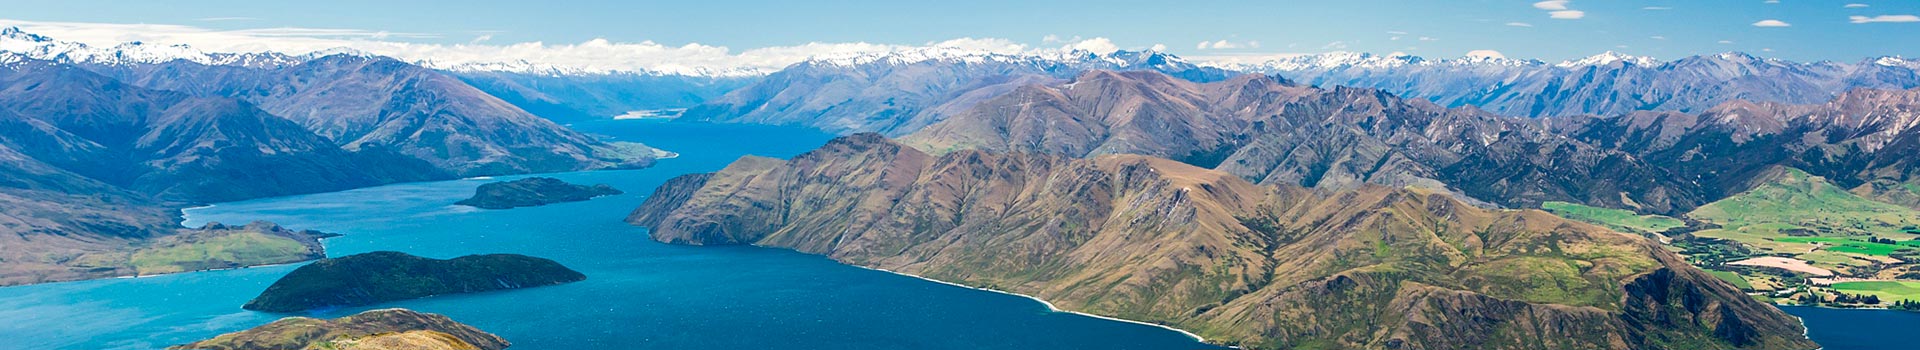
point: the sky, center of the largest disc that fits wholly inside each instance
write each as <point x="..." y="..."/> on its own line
<point x="715" y="33"/>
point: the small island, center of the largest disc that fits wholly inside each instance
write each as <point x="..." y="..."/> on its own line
<point x="385" y="329"/>
<point x="533" y="191"/>
<point x="370" y="278"/>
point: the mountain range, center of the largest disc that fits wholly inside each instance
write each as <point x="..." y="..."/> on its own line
<point x="1275" y="132"/>
<point x="1607" y="84"/>
<point x="104" y="145"/>
<point x="898" y="93"/>
<point x="1264" y="266"/>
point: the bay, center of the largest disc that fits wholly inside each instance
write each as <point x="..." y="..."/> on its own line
<point x="639" y="294"/>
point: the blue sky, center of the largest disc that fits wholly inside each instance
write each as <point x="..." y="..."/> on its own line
<point x="1817" y="30"/>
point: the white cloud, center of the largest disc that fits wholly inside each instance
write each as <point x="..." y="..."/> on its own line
<point x="597" y="55"/>
<point x="1771" y="23"/>
<point x="1726" y="41"/>
<point x="1396" y="32"/>
<point x="1657" y="37"/>
<point x="1158" y="48"/>
<point x="1557" y="9"/>
<point x="1855" y="6"/>
<point x="1883" y="19"/>
<point x="1336" y="45"/>
<point x="1485" y="54"/>
<point x="1097" y="45"/>
<point x="1519" y="24"/>
<point x="1567" y="14"/>
<point x="224" y="19"/>
<point x="1224" y="44"/>
<point x="1656" y="8"/>
<point x="1773" y="1"/>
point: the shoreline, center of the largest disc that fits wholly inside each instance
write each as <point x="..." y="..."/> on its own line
<point x="1049" y="305"/>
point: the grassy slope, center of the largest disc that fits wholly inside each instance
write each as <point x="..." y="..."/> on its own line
<point x="1617" y="219"/>
<point x="210" y="248"/>
<point x="1795" y="210"/>
<point x="1733" y="278"/>
<point x="1797" y="200"/>
<point x="243" y="248"/>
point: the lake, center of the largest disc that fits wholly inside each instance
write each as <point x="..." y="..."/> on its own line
<point x="638" y="293"/>
<point x="1856" y="329"/>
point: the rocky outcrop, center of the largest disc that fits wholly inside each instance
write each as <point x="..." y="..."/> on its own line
<point x="532" y="191"/>
<point x="370" y="278"/>
<point x="384" y="329"/>
<point x="1262" y="266"/>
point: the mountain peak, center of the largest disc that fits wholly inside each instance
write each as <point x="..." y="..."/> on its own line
<point x="1609" y="58"/>
<point x="15" y="33"/>
<point x="1339" y="59"/>
<point x="1897" y="61"/>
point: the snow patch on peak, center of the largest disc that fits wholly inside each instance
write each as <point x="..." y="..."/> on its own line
<point x="1330" y="61"/>
<point x="951" y="55"/>
<point x="911" y="56"/>
<point x="1898" y="62"/>
<point x="1609" y="58"/>
<point x="15" y="33"/>
<point x="40" y="47"/>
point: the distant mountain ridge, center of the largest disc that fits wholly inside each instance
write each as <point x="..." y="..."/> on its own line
<point x="1607" y="84"/>
<point x="898" y="93"/>
<point x="1275" y="132"/>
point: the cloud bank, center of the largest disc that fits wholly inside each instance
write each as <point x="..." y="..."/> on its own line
<point x="1883" y="19"/>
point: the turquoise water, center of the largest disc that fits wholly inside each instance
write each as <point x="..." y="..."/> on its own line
<point x="638" y="295"/>
<point x="1843" y="329"/>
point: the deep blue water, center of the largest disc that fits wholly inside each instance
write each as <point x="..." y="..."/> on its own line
<point x="639" y="294"/>
<point x="1845" y="329"/>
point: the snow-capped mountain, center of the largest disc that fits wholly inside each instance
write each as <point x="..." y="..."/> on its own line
<point x="40" y="47"/>
<point x="1609" y="83"/>
<point x="1607" y="58"/>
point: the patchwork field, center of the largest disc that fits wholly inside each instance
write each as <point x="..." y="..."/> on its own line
<point x="1807" y="218"/>
<point x="1888" y="291"/>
